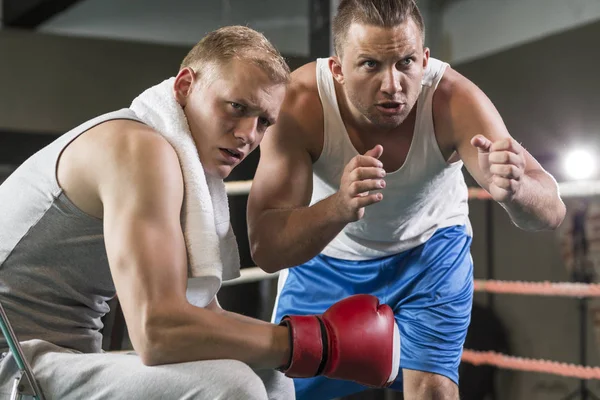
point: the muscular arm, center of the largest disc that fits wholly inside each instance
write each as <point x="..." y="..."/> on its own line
<point x="141" y="190"/>
<point x="283" y="230"/>
<point x="499" y="163"/>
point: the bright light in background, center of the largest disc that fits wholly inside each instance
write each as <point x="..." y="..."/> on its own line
<point x="580" y="164"/>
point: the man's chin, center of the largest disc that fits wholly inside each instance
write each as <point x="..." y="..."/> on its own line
<point x="389" y="122"/>
<point x="386" y="121"/>
<point x="219" y="172"/>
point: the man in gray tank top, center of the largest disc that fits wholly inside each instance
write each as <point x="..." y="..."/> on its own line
<point x="359" y="189"/>
<point x="106" y="210"/>
<point x="98" y="213"/>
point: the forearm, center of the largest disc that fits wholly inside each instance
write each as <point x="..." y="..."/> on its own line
<point x="284" y="238"/>
<point x="537" y="205"/>
<point x="244" y="318"/>
<point x="189" y="333"/>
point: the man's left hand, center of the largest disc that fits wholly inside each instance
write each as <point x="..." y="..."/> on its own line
<point x="503" y="163"/>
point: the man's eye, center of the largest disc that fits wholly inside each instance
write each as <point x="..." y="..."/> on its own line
<point x="407" y="61"/>
<point x="237" y="106"/>
<point x="264" y="122"/>
<point x="370" y="64"/>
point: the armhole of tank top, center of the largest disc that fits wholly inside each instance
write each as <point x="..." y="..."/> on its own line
<point x="57" y="190"/>
<point x="325" y="102"/>
<point x="432" y="138"/>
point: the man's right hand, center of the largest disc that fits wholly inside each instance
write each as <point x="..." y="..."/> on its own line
<point x="364" y="173"/>
<point x="356" y="339"/>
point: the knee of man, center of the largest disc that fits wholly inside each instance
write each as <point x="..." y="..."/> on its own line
<point x="434" y="387"/>
<point x="241" y="382"/>
<point x="277" y="384"/>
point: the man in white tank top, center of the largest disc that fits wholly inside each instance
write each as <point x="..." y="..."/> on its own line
<point x="359" y="190"/>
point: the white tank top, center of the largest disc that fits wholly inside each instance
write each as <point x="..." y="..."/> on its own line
<point x="425" y="194"/>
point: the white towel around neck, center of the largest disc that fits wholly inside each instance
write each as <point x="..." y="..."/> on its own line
<point x="211" y="245"/>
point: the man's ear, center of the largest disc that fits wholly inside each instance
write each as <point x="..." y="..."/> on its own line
<point x="184" y="81"/>
<point x="425" y="57"/>
<point x="335" y="66"/>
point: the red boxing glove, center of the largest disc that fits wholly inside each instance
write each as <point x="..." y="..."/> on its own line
<point x="356" y="339"/>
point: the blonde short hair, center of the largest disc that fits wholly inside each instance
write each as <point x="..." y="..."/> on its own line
<point x="241" y="43"/>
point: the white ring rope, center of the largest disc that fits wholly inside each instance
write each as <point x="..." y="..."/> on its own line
<point x="253" y="274"/>
<point x="560" y="289"/>
<point x="566" y="189"/>
<point x="238" y="187"/>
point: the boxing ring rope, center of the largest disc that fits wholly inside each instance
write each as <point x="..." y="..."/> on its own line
<point x="563" y="289"/>
<point x="566" y="189"/>
<point x="251" y="274"/>
<point x="238" y="187"/>
<point x="529" y="365"/>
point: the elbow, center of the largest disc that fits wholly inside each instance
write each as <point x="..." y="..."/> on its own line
<point x="558" y="213"/>
<point x="150" y="341"/>
<point x="150" y="347"/>
<point x="262" y="253"/>
<point x="269" y="254"/>
<point x="149" y="354"/>
<point x="149" y="360"/>
<point x="270" y="268"/>
<point x="263" y="249"/>
<point x="558" y="216"/>
<point x="550" y="220"/>
<point x="261" y="258"/>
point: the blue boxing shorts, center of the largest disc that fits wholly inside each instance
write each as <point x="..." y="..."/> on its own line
<point x="429" y="287"/>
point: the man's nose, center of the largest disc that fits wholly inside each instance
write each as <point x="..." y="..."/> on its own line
<point x="246" y="130"/>
<point x="390" y="83"/>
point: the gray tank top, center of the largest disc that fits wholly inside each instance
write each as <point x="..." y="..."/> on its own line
<point x="54" y="275"/>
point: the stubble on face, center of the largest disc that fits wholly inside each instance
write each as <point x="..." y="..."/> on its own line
<point x="396" y="53"/>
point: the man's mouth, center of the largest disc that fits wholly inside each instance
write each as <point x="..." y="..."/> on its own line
<point x="389" y="104"/>
<point x="390" y="107"/>
<point x="232" y="153"/>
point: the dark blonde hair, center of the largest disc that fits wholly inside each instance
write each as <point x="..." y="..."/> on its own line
<point x="382" y="13"/>
<point x="241" y="43"/>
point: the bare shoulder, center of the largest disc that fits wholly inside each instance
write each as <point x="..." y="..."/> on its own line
<point x="303" y="84"/>
<point x="117" y="155"/>
<point x="131" y="144"/>
<point x="453" y="90"/>
<point x="448" y="87"/>
<point x="283" y="178"/>
<point x="301" y="114"/>
<point x="462" y="110"/>
<point x="452" y="98"/>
